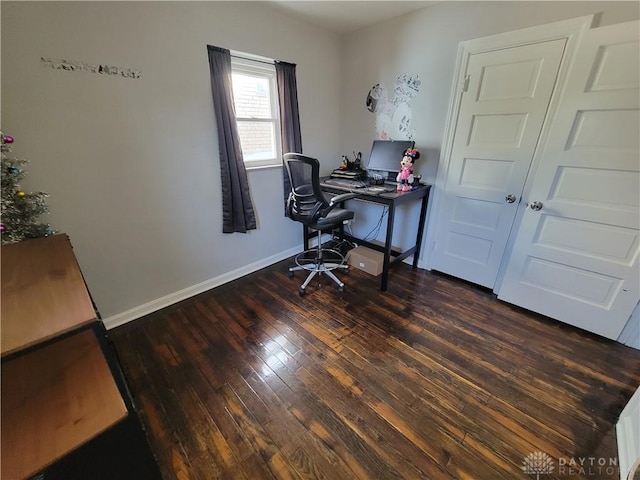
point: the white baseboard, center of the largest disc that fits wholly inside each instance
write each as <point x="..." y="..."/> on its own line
<point x="167" y="300"/>
<point x="631" y="333"/>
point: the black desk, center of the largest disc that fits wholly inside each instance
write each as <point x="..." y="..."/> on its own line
<point x="392" y="200"/>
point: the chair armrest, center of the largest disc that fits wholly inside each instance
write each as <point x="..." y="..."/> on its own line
<point x="335" y="201"/>
<point x="341" y="198"/>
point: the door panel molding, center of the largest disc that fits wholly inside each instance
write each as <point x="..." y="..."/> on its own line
<point x="571" y="30"/>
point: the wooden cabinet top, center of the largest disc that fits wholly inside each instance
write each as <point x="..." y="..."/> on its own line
<point x="43" y="292"/>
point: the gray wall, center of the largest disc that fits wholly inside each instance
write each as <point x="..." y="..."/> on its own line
<point x="132" y="165"/>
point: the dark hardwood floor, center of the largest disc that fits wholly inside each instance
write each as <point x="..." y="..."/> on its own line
<point x="433" y="379"/>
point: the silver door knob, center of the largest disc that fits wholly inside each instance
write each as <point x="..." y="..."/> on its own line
<point x="510" y="198"/>
<point x="536" y="206"/>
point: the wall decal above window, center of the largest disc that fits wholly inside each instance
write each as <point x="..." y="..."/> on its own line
<point x="79" y="66"/>
<point x="393" y="115"/>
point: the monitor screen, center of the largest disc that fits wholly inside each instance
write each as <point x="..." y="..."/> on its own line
<point x="386" y="155"/>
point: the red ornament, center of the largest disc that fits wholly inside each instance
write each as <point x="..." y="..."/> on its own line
<point x="8" y="139"/>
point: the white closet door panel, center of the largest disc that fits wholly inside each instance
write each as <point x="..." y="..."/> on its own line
<point x="576" y="259"/>
<point x="499" y="122"/>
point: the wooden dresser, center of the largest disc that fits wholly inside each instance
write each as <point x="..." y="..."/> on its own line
<point x="66" y="410"/>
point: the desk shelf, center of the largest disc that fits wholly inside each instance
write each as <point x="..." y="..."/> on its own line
<point x="62" y="388"/>
<point x="54" y="400"/>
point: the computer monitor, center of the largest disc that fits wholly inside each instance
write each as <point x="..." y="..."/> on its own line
<point x="386" y="156"/>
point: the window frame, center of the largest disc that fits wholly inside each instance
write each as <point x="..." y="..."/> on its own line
<point x="250" y="65"/>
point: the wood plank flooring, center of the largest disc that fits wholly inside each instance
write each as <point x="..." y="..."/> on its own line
<point x="434" y="379"/>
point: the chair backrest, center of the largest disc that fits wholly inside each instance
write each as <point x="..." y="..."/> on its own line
<point x="306" y="199"/>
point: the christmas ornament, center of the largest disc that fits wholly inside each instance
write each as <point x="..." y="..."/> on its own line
<point x="20" y="210"/>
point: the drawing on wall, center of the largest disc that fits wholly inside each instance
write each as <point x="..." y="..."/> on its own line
<point x="393" y="115"/>
<point x="79" y="66"/>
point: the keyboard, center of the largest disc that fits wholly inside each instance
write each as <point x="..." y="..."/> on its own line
<point x="344" y="183"/>
<point x="386" y="188"/>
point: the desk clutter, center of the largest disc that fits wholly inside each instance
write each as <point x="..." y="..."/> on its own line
<point x="349" y="174"/>
<point x="350" y="169"/>
<point x="369" y="185"/>
<point x="389" y="161"/>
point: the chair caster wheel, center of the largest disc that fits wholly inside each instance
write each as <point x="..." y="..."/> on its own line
<point x="290" y="273"/>
<point x="340" y="289"/>
<point x="302" y="291"/>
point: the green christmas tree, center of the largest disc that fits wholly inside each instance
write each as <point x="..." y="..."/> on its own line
<point x="20" y="210"/>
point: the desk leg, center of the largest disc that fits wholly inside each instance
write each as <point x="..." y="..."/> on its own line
<point x="387" y="248"/>
<point x="423" y="216"/>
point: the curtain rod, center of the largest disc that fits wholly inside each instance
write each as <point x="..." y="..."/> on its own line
<point x="253" y="59"/>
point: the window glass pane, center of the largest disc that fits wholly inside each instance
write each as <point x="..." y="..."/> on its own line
<point x="257" y="140"/>
<point x="251" y="96"/>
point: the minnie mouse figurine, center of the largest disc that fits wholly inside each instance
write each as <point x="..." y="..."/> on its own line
<point x="405" y="177"/>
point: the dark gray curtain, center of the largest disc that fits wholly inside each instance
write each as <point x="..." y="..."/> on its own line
<point x="289" y="115"/>
<point x="237" y="209"/>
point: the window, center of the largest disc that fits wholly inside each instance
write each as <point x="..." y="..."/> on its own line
<point x="256" y="103"/>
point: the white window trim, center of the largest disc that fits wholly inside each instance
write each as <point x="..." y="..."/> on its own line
<point x="264" y="68"/>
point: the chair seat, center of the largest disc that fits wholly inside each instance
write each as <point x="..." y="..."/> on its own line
<point x="333" y="219"/>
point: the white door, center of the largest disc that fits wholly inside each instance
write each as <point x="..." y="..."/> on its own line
<point x="499" y="122"/>
<point x="576" y="258"/>
<point x="628" y="435"/>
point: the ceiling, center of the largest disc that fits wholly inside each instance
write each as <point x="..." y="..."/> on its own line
<point x="347" y="16"/>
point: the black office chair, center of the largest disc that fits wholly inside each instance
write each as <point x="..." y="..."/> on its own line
<point x="307" y="204"/>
